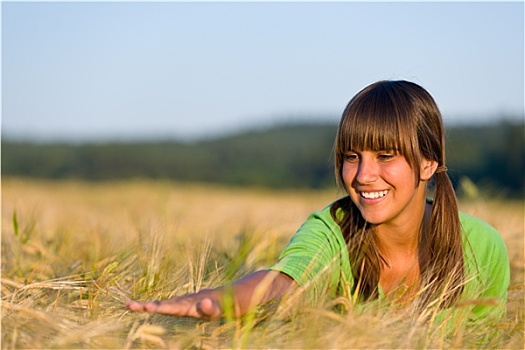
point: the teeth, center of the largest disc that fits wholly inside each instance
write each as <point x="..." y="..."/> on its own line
<point x="373" y="195"/>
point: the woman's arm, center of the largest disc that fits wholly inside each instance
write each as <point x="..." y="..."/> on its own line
<point x="255" y="289"/>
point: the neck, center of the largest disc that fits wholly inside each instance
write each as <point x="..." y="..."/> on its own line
<point x="402" y="239"/>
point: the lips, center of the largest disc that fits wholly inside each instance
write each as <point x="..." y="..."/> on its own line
<point x="373" y="195"/>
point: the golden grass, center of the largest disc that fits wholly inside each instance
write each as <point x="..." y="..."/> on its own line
<point x="73" y="252"/>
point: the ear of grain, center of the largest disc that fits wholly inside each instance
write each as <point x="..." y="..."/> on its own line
<point x="73" y="252"/>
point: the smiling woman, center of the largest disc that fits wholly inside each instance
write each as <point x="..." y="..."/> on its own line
<point x="389" y="146"/>
<point x="385" y="243"/>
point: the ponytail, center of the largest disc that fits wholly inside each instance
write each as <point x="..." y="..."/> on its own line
<point x="442" y="267"/>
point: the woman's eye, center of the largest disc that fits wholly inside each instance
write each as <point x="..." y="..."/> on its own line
<point x="386" y="156"/>
<point x="351" y="157"/>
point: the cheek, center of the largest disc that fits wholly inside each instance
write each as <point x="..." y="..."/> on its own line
<point x="401" y="171"/>
<point x="348" y="174"/>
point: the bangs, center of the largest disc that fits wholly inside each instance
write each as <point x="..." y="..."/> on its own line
<point x="371" y="132"/>
<point x="378" y="121"/>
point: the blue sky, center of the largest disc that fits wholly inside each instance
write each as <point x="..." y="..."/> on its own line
<point x="85" y="71"/>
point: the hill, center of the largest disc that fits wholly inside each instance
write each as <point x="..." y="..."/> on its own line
<point x="282" y="156"/>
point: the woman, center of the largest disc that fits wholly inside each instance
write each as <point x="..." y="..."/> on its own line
<point x="385" y="241"/>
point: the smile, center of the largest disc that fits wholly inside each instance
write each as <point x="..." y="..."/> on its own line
<point x="373" y="195"/>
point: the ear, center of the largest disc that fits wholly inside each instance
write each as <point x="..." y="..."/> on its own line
<point x="428" y="168"/>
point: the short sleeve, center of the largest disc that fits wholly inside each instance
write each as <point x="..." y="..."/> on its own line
<point x="316" y="256"/>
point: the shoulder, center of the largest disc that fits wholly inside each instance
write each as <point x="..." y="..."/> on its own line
<point x="478" y="231"/>
<point x="483" y="245"/>
<point x="320" y="234"/>
<point x="323" y="219"/>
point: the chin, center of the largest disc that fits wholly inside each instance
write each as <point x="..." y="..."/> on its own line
<point x="373" y="219"/>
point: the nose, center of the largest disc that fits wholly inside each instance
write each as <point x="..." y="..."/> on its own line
<point x="366" y="171"/>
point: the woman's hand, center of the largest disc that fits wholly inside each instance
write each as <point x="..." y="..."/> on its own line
<point x="203" y="305"/>
<point x="254" y="289"/>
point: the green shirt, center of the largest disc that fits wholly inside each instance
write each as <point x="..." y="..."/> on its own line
<point x="317" y="258"/>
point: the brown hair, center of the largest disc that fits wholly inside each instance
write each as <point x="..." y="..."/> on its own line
<point x="401" y="116"/>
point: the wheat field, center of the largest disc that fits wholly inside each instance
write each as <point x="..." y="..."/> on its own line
<point x="73" y="252"/>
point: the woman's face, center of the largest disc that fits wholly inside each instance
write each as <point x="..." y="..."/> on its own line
<point x="383" y="186"/>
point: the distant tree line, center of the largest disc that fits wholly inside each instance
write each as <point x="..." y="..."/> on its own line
<point x="285" y="156"/>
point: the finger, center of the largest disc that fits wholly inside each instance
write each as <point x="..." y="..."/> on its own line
<point x="134" y="306"/>
<point x="142" y="307"/>
<point x="152" y="306"/>
<point x="172" y="307"/>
